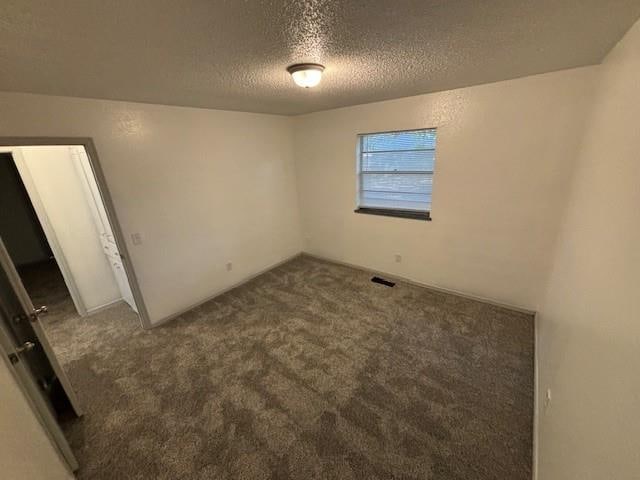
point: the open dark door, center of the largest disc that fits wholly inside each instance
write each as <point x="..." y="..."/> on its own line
<point x="30" y="354"/>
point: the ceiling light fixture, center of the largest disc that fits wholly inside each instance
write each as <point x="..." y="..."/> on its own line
<point x="306" y="75"/>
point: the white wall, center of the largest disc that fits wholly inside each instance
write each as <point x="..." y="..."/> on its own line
<point x="205" y="187"/>
<point x="53" y="173"/>
<point x="504" y="155"/>
<point x="202" y="187"/>
<point x="589" y="330"/>
<point x="25" y="451"/>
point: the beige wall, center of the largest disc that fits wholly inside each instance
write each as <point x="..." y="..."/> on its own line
<point x="202" y="187"/>
<point x="25" y="451"/>
<point x="589" y="324"/>
<point x="504" y="155"/>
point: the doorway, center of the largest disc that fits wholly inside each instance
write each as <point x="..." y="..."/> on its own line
<point x="61" y="248"/>
<point x="84" y="259"/>
<point x="24" y="237"/>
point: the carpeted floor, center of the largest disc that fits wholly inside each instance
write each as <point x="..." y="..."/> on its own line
<point x="309" y="371"/>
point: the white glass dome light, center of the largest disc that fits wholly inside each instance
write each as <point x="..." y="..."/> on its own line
<point x="306" y="75"/>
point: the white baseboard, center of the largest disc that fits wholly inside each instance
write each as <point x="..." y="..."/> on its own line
<point x="425" y="285"/>
<point x="100" y="308"/>
<point x="338" y="262"/>
<point x="224" y="290"/>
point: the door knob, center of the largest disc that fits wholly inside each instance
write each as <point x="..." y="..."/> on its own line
<point x="25" y="347"/>
<point x="38" y="311"/>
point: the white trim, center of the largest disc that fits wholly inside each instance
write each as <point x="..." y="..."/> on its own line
<point x="337" y="262"/>
<point x="100" y="308"/>
<point x="92" y="200"/>
<point x="425" y="285"/>
<point x="104" y="231"/>
<point x="225" y="290"/>
<point x="38" y="206"/>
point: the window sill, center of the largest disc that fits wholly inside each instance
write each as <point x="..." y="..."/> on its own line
<point x="387" y="212"/>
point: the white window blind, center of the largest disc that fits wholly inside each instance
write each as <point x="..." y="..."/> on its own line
<point x="396" y="170"/>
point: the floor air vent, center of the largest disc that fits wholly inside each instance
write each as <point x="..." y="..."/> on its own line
<point x="382" y="281"/>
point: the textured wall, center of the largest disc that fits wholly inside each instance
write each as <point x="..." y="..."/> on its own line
<point x="202" y="187"/>
<point x="503" y="158"/>
<point x="589" y="330"/>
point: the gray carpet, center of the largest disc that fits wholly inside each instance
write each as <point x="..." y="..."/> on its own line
<point x="310" y="371"/>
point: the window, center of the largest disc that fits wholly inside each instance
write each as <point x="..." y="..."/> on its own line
<point x="395" y="173"/>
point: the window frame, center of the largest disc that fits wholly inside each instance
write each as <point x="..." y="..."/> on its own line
<point x="424" y="215"/>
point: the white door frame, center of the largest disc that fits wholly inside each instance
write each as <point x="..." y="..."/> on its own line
<point x="94" y="161"/>
<point x="101" y="220"/>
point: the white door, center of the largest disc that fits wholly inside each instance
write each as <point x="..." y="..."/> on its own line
<point x="24" y="342"/>
<point x="101" y="219"/>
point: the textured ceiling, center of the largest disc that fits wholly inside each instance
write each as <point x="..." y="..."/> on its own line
<point x="233" y="54"/>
